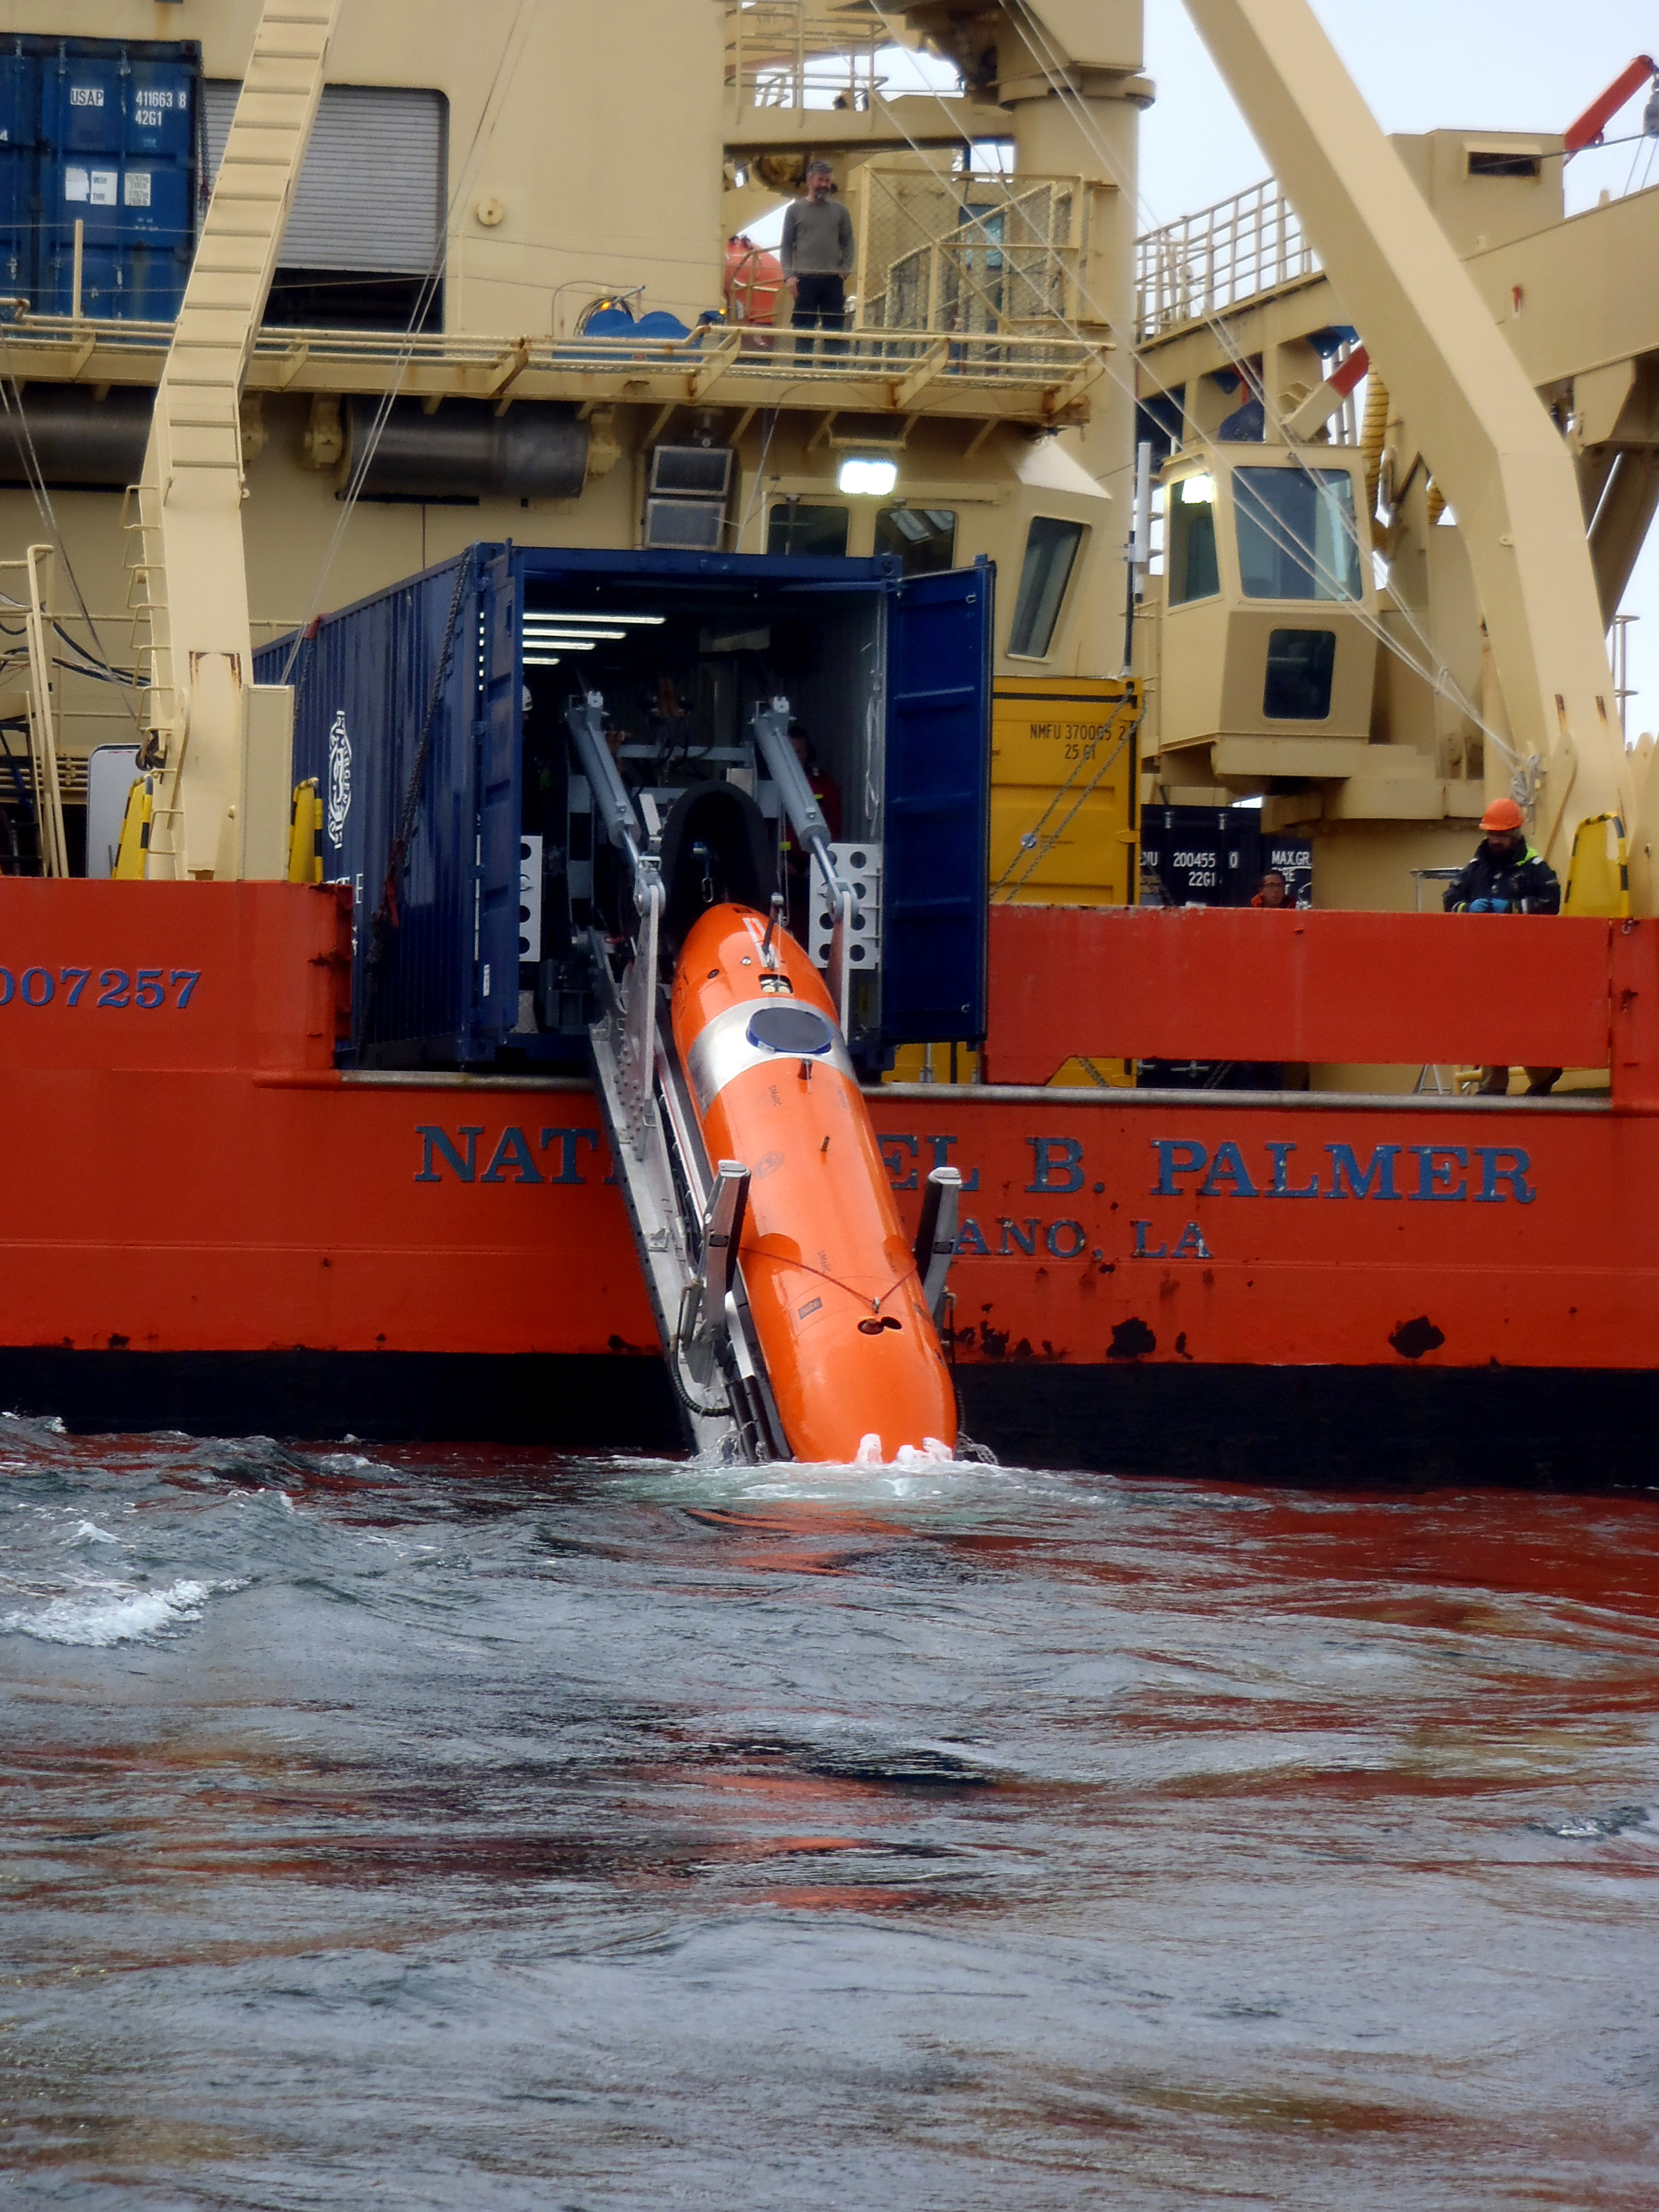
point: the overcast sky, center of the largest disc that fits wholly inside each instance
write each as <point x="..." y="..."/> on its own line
<point x="1423" y="65"/>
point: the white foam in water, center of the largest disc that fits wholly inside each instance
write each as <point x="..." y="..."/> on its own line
<point x="110" y="1619"/>
<point x="88" y="1532"/>
<point x="931" y="1453"/>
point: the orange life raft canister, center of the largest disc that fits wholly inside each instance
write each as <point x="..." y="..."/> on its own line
<point x="850" y="1347"/>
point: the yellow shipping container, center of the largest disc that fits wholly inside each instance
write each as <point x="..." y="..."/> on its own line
<point x="1064" y="766"/>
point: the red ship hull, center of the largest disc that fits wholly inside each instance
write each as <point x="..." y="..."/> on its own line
<point x="209" y="1226"/>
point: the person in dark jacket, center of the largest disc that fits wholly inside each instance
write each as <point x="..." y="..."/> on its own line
<point x="1507" y="877"/>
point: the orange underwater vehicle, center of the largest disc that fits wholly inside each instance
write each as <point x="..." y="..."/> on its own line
<point x="833" y="1284"/>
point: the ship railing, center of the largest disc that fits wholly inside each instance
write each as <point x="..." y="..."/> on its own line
<point x="1042" y="370"/>
<point x="1211" y="263"/>
<point x="944" y="249"/>
<point x="818" y="85"/>
<point x="790" y="53"/>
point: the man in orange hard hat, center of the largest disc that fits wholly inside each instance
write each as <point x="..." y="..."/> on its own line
<point x="1507" y="877"/>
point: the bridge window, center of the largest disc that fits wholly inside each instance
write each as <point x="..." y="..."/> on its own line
<point x="1300" y="665"/>
<point x="1193" y="572"/>
<point x="794" y="527"/>
<point x="1297" y="537"/>
<point x="1051" y="550"/>
<point x="924" y="537"/>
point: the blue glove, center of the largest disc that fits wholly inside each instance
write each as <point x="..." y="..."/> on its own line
<point x="1489" y="906"/>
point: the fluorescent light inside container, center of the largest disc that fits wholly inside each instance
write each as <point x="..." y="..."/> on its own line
<point x="865" y="477"/>
<point x="588" y="621"/>
<point x="535" y="634"/>
<point x="541" y="661"/>
<point x="564" y="644"/>
<point x="1198" y="491"/>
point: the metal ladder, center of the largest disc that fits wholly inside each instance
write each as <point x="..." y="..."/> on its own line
<point x="686" y="1216"/>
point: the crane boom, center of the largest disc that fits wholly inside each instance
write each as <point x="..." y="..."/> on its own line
<point x="1493" y="450"/>
<point x="222" y="746"/>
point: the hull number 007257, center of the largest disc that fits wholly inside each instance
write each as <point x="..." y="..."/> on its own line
<point x="147" y="989"/>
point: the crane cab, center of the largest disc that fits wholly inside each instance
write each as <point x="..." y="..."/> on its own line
<point x="1269" y="644"/>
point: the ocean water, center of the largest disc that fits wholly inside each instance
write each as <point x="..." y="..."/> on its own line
<point x="485" y="1831"/>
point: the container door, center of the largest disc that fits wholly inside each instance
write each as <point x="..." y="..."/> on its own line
<point x="158" y="185"/>
<point x="501" y="806"/>
<point x="81" y="129"/>
<point x="19" y="130"/>
<point x="935" y="858"/>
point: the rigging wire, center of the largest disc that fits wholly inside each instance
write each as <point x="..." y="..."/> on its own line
<point x="361" y="463"/>
<point x="1442" y="681"/>
<point x="1049" y="63"/>
<point x="775" y="413"/>
<point x="11" y="403"/>
<point x="1437" y="676"/>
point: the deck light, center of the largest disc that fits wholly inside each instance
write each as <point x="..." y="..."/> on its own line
<point x="866" y="476"/>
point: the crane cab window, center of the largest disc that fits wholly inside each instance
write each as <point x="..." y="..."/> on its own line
<point x="1297" y="537"/>
<point x="1194" y="572"/>
<point x="1300" y="665"/>
<point x="794" y="527"/>
<point x="1051" y="550"/>
<point x="924" y="537"/>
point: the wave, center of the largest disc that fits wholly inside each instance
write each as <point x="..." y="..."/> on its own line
<point x="113" y="1619"/>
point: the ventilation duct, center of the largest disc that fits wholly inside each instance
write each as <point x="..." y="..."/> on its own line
<point x="687" y="492"/>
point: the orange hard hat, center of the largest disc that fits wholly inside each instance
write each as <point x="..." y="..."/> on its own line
<point x="1503" y="814"/>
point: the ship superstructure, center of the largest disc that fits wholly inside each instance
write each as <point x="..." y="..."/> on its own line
<point x="456" y="186"/>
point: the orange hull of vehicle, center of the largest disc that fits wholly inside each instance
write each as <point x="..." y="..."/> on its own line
<point x="850" y="1350"/>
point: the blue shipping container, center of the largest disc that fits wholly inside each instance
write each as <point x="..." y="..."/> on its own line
<point x="364" y="681"/>
<point x="447" y="989"/>
<point x="104" y="133"/>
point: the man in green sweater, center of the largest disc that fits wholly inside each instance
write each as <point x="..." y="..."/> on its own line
<point x="817" y="258"/>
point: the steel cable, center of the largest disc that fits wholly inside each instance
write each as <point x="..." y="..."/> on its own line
<point x="1436" y="676"/>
